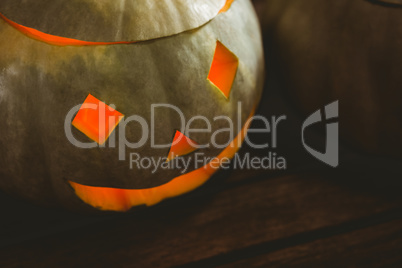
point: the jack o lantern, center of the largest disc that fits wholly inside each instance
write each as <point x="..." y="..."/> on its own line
<point x="346" y="50"/>
<point x="203" y="57"/>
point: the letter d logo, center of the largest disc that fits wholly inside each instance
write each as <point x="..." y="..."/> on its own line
<point x="331" y="155"/>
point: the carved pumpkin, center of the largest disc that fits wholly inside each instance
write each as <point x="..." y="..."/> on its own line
<point x="346" y="50"/>
<point x="202" y="56"/>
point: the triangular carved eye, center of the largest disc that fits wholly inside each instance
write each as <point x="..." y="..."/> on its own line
<point x="96" y="119"/>
<point x="181" y="145"/>
<point x="223" y="69"/>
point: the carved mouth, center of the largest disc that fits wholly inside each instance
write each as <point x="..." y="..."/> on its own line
<point x="115" y="199"/>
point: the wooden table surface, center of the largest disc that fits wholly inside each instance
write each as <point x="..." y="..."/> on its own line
<point x="306" y="216"/>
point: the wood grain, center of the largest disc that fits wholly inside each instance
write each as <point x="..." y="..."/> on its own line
<point x="204" y="228"/>
<point x="377" y="246"/>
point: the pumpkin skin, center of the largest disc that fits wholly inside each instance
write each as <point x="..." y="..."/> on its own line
<point x="41" y="82"/>
<point x="346" y="50"/>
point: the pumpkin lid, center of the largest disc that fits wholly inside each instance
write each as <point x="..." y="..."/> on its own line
<point x="111" y="20"/>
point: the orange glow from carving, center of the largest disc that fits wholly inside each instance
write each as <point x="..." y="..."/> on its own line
<point x="223" y="69"/>
<point x="113" y="199"/>
<point x="64" y="41"/>
<point x="96" y="119"/>
<point x="181" y="145"/>
<point x="226" y="6"/>
<point x="56" y="40"/>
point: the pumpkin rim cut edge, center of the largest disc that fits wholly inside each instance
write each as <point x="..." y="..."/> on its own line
<point x="67" y="41"/>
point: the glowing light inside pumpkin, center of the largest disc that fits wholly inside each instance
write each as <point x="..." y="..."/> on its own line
<point x="113" y="199"/>
<point x="53" y="39"/>
<point x="181" y="145"/>
<point x="226" y="7"/>
<point x="96" y="119"/>
<point x="223" y="69"/>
